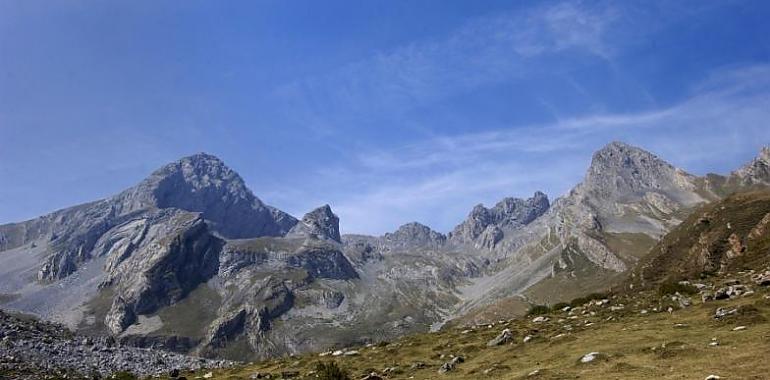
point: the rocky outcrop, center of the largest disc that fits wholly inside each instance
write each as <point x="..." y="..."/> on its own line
<point x="320" y="223"/>
<point x="756" y="172"/>
<point x="413" y="235"/>
<point x="510" y="213"/>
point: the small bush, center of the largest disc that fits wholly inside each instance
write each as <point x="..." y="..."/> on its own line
<point x="538" y="310"/>
<point x="580" y="301"/>
<point x="331" y="371"/>
<point x="597" y="296"/>
<point x="668" y="288"/>
<point x="560" y="305"/>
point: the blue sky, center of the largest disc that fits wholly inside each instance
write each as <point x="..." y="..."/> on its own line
<point x="390" y="111"/>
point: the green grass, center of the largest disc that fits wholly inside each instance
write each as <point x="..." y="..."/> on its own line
<point x="331" y="371"/>
<point x="192" y="315"/>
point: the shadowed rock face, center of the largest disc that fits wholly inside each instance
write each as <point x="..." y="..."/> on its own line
<point x="172" y="257"/>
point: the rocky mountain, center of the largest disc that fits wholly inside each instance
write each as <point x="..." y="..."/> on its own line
<point x="190" y="260"/>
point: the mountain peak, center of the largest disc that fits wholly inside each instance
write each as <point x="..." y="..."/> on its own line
<point x="203" y="183"/>
<point x="618" y="151"/>
<point x="321" y="223"/>
<point x="413" y="235"/>
<point x="757" y="171"/>
<point x="201" y="157"/>
<point x="620" y="168"/>
<point x="764" y="154"/>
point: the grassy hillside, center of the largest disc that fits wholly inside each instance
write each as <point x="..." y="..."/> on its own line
<point x="635" y="335"/>
<point x="712" y="239"/>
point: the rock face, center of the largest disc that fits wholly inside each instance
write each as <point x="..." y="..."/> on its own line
<point x="174" y="255"/>
<point x="320" y="223"/>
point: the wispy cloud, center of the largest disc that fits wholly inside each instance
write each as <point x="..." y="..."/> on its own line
<point x="483" y="51"/>
<point x="437" y="180"/>
<point x="435" y="175"/>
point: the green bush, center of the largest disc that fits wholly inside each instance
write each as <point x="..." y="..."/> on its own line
<point x="560" y="305"/>
<point x="597" y="296"/>
<point x="580" y="301"/>
<point x="538" y="310"/>
<point x="331" y="371"/>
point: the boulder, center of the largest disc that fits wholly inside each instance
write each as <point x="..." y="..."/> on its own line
<point x="504" y="337"/>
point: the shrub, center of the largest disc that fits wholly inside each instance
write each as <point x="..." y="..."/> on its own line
<point x="597" y="296"/>
<point x="560" y="305"/>
<point x="538" y="310"/>
<point x="580" y="301"/>
<point x="331" y="371"/>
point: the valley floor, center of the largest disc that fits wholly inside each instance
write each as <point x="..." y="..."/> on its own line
<point x="632" y="337"/>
